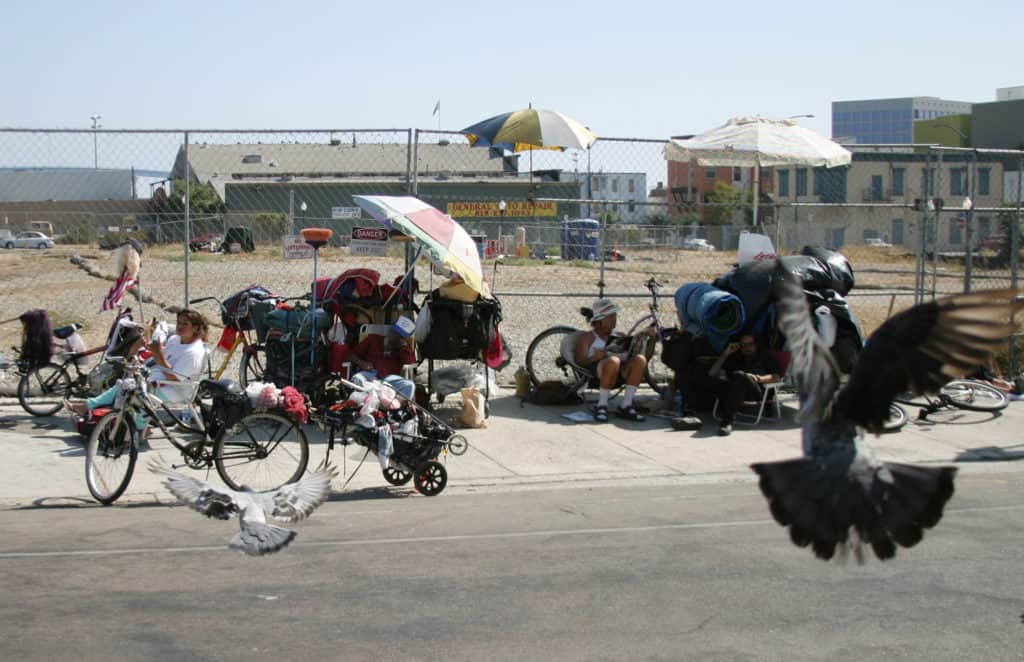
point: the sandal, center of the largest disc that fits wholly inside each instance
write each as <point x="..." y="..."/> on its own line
<point x="601" y="413"/>
<point x="629" y="413"/>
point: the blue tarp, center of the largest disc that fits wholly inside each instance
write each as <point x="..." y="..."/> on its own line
<point x="708" y="311"/>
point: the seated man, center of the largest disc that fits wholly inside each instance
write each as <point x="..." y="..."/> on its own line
<point x="597" y="351"/>
<point x="740" y="374"/>
<point x="382" y="357"/>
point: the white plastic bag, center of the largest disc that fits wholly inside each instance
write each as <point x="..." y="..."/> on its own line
<point x="755" y="248"/>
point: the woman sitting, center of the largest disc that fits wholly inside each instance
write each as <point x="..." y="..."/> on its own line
<point x="597" y="352"/>
<point x="180" y="359"/>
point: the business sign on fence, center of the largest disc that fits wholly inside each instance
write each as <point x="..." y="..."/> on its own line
<point x="520" y="208"/>
<point x="369" y="241"/>
<point x="296" y="248"/>
<point x="346" y="212"/>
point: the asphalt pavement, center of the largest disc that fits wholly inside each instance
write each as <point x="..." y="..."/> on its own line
<point x="528" y="447"/>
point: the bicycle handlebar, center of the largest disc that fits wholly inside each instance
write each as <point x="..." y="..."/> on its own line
<point x="202" y="299"/>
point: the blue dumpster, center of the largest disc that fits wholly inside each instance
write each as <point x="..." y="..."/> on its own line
<point x="481" y="242"/>
<point x="581" y="239"/>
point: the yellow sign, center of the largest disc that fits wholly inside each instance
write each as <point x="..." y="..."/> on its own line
<point x="521" y="208"/>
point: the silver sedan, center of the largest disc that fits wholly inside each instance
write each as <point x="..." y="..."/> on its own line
<point x="29" y="240"/>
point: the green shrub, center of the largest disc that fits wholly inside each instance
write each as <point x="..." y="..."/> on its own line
<point x="78" y="234"/>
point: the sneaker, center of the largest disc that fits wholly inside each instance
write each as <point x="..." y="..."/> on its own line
<point x="629" y="413"/>
<point x="725" y="429"/>
<point x="601" y="413"/>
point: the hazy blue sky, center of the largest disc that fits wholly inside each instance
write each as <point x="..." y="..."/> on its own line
<point x="626" y="69"/>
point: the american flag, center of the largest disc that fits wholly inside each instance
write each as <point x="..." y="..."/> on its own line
<point x="117" y="290"/>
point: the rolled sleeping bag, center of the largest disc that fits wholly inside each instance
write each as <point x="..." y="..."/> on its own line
<point x="711" y="312"/>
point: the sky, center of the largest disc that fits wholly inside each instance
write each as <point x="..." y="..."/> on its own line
<point x="627" y="70"/>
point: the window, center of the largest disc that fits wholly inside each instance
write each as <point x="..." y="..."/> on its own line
<point x="876" y="188"/>
<point x="737" y="174"/>
<point x="870" y="234"/>
<point x="632" y="206"/>
<point x="958" y="181"/>
<point x="615" y="185"/>
<point x="956" y="231"/>
<point x="897" y="231"/>
<point x="632" y="186"/>
<point x="783" y="183"/>
<point x="801" y="181"/>
<point x="897" y="181"/>
<point x="252" y="158"/>
<point x="835" y="238"/>
<point x="984" y="226"/>
<point x="710" y="173"/>
<point x="983" y="181"/>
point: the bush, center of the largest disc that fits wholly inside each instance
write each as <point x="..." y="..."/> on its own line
<point x="78" y="234"/>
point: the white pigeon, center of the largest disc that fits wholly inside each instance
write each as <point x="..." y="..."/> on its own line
<point x="288" y="503"/>
<point x="840" y="495"/>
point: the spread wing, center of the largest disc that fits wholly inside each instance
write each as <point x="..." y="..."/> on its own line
<point x="921" y="349"/>
<point x="206" y="498"/>
<point x="812" y="363"/>
<point x="296" y="501"/>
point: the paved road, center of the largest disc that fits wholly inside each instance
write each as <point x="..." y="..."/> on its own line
<point x="619" y="572"/>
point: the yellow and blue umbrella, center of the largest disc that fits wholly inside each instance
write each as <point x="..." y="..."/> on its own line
<point x="447" y="242"/>
<point x="528" y="129"/>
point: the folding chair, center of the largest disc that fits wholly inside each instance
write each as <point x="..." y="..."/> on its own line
<point x="582" y="376"/>
<point x="768" y="399"/>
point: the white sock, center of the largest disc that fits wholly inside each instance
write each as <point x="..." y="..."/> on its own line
<point x="602" y="398"/>
<point x="627" y="396"/>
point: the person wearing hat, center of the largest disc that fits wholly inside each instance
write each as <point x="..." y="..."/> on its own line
<point x="181" y="358"/>
<point x="596" y="352"/>
<point x="382" y="357"/>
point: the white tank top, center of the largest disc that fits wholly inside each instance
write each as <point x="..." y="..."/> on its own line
<point x="599" y="343"/>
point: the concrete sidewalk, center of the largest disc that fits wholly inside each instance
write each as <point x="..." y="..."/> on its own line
<point x="522" y="448"/>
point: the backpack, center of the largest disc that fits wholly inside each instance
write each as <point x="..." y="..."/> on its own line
<point x="553" y="393"/>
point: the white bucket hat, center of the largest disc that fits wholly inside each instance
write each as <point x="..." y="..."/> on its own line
<point x="603" y="308"/>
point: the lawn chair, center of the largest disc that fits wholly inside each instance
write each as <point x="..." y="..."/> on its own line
<point x="756" y="410"/>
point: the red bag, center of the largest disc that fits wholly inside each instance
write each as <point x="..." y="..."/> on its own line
<point x="87" y="424"/>
<point x="494" y="354"/>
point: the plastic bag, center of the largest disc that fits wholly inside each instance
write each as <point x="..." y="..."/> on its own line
<point x="472" y="415"/>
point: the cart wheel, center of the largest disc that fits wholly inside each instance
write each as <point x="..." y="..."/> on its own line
<point x="431" y="477"/>
<point x="396" y="477"/>
<point x="458" y="445"/>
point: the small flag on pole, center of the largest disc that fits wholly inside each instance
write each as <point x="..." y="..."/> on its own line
<point x="437" y="107"/>
<point x="117" y="290"/>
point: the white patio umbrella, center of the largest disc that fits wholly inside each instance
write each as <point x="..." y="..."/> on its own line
<point x="755" y="142"/>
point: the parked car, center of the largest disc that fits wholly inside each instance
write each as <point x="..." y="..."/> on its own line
<point x="29" y="240"/>
<point x="877" y="243"/>
<point x="697" y="244"/>
<point x="993" y="242"/>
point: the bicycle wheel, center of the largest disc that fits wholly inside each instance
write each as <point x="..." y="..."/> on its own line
<point x="897" y="418"/>
<point x="544" y="360"/>
<point x="262" y="451"/>
<point x="656" y="374"/>
<point x="110" y="457"/>
<point x="252" y="367"/>
<point x="41" y="391"/>
<point x="974" y="396"/>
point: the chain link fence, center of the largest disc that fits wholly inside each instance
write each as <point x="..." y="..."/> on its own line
<point x="556" y="229"/>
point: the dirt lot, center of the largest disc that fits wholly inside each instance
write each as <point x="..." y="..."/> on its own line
<point x="48" y="279"/>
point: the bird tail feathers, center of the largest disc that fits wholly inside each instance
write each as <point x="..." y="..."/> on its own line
<point x="830" y="516"/>
<point x="258" y="539"/>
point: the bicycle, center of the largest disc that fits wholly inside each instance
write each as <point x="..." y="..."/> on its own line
<point x="966" y="394"/>
<point x="258" y="450"/>
<point x="546" y="356"/>
<point x="246" y="325"/>
<point x="43" y="388"/>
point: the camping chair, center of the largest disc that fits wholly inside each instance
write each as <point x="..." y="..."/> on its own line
<point x="580" y="377"/>
<point x="769" y="399"/>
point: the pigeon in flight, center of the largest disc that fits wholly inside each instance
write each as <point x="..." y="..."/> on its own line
<point x="288" y="503"/>
<point x="840" y="495"/>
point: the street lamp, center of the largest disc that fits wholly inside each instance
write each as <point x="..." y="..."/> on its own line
<point x="95" y="154"/>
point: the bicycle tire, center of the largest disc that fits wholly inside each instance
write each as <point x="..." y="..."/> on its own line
<point x="263" y="451"/>
<point x="544" y="362"/>
<point x="657" y="375"/>
<point x="252" y="367"/>
<point x="897" y="418"/>
<point x="110" y="457"/>
<point x="974" y="396"/>
<point x="42" y="390"/>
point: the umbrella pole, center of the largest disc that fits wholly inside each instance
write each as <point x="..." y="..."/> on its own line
<point x="757" y="194"/>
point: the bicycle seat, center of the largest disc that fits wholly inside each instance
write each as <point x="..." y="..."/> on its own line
<point x="221" y="387"/>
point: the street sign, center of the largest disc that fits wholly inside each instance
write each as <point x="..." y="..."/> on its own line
<point x="346" y="212"/>
<point x="369" y="241"/>
<point x="296" y="248"/>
